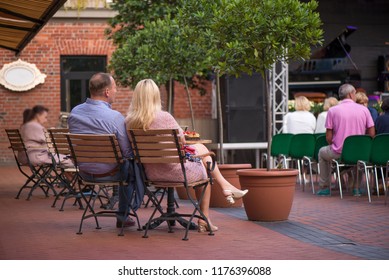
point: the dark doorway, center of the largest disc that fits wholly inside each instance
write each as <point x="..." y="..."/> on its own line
<point x="75" y="74"/>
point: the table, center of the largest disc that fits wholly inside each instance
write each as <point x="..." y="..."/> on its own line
<point x="200" y="141"/>
<point x="257" y="146"/>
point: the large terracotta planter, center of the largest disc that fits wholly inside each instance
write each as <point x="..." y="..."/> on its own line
<point x="229" y="173"/>
<point x="270" y="195"/>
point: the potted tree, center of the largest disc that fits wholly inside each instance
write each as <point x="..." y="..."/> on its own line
<point x="161" y="52"/>
<point x="140" y="18"/>
<point x="247" y="36"/>
<point x="163" y="49"/>
<point x="232" y="37"/>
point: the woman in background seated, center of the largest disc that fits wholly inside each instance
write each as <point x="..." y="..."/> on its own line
<point x="145" y="112"/>
<point x="34" y="138"/>
<point x="361" y="98"/>
<point x="382" y="122"/>
<point x="321" y="118"/>
<point x="301" y="120"/>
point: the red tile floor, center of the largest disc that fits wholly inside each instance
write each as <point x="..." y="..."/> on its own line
<point x="318" y="228"/>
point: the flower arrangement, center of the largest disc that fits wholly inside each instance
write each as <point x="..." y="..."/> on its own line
<point x="291" y="107"/>
<point x="377" y="106"/>
<point x="316" y="108"/>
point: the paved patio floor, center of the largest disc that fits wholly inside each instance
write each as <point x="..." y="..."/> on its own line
<point x="319" y="228"/>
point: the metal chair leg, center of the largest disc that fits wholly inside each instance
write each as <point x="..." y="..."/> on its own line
<point x="339" y="179"/>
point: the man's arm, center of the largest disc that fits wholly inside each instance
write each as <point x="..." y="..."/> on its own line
<point x="124" y="144"/>
<point x="329" y="135"/>
<point x="369" y="123"/>
<point x="371" y="131"/>
<point x="122" y="137"/>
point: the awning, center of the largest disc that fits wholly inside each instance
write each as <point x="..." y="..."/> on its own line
<point x="21" y="20"/>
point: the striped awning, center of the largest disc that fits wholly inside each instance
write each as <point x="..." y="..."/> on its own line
<point x="21" y="20"/>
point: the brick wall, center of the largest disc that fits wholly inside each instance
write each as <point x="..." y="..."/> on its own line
<point x="79" y="38"/>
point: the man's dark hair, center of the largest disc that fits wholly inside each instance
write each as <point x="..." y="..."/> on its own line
<point x="98" y="82"/>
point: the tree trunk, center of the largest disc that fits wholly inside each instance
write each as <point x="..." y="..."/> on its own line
<point x="220" y="117"/>
<point x="269" y="116"/>
<point x="190" y="104"/>
<point x="170" y="97"/>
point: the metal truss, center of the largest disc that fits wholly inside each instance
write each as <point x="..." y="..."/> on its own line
<point x="279" y="94"/>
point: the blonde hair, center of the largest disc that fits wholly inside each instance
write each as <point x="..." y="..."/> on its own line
<point x="302" y="104"/>
<point x="329" y="102"/>
<point x="145" y="103"/>
<point x="361" y="98"/>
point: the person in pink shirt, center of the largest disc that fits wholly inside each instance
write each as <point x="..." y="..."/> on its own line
<point x="345" y="119"/>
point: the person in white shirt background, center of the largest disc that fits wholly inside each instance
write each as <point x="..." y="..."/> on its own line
<point x="321" y="118"/>
<point x="301" y="120"/>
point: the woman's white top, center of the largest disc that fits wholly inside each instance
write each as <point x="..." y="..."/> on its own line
<point x="299" y="122"/>
<point x="320" y="123"/>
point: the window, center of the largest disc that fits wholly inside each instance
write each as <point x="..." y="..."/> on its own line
<point x="75" y="74"/>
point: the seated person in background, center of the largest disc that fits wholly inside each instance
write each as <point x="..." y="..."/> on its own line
<point x="382" y="122"/>
<point x="301" y="120"/>
<point x="145" y="112"/>
<point x="361" y="98"/>
<point x="321" y="118"/>
<point x="33" y="135"/>
<point x="345" y="119"/>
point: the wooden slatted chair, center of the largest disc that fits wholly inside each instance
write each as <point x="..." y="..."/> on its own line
<point x="38" y="176"/>
<point x="67" y="177"/>
<point x="164" y="146"/>
<point x="95" y="149"/>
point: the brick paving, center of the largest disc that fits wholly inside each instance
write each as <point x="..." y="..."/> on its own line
<point x="319" y="228"/>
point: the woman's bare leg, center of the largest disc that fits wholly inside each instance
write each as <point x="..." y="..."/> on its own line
<point x="204" y="206"/>
<point x="223" y="183"/>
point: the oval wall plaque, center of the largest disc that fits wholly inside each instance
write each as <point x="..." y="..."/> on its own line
<point x="20" y="76"/>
